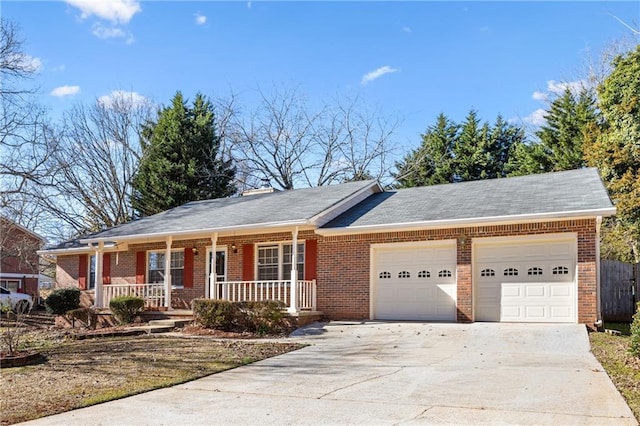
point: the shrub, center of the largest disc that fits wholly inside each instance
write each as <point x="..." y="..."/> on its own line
<point x="218" y="314"/>
<point x="62" y="300"/>
<point x="264" y="317"/>
<point x="635" y="333"/>
<point x="126" y="308"/>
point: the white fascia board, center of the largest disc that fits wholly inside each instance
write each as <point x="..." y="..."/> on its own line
<point x="337" y="209"/>
<point x="202" y="233"/>
<point x="81" y="250"/>
<point x="468" y="222"/>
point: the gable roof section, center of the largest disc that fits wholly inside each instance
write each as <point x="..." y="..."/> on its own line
<point x="574" y="193"/>
<point x="309" y="206"/>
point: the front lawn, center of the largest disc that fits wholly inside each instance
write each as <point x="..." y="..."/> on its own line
<point x="623" y="368"/>
<point x="79" y="373"/>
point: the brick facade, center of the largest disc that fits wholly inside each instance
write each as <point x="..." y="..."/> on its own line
<point x="343" y="264"/>
<point x="19" y="260"/>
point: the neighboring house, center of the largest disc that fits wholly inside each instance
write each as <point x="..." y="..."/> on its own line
<point x="511" y="249"/>
<point x="19" y="267"/>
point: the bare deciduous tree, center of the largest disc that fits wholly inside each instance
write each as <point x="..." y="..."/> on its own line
<point x="292" y="144"/>
<point x="96" y="154"/>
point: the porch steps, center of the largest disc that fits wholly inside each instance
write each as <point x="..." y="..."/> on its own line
<point x="164" y="325"/>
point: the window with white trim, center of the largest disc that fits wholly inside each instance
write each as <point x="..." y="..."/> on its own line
<point x="155" y="267"/>
<point x="510" y="272"/>
<point x="445" y="273"/>
<point x="560" y="270"/>
<point x="275" y="261"/>
<point x="534" y="271"/>
<point x="488" y="273"/>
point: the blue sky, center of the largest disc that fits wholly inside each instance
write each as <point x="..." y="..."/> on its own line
<point x="413" y="59"/>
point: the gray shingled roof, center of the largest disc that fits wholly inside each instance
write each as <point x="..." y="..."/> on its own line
<point x="561" y="192"/>
<point x="261" y="209"/>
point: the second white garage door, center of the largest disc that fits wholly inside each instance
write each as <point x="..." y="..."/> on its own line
<point x="414" y="282"/>
<point x="525" y="280"/>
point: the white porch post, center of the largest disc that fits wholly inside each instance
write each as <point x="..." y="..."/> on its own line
<point x="212" y="294"/>
<point x="293" y="305"/>
<point x="99" y="300"/>
<point x="167" y="274"/>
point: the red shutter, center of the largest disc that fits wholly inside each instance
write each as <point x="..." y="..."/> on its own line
<point x="106" y="268"/>
<point x="187" y="277"/>
<point x="247" y="262"/>
<point x="141" y="266"/>
<point x="310" y="259"/>
<point x="83" y="263"/>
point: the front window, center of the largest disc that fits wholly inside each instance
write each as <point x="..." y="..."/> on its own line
<point x="275" y="262"/>
<point x="155" y="266"/>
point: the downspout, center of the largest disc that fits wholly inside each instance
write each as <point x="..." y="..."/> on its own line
<point x="599" y="323"/>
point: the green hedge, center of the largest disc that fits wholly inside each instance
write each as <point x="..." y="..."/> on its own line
<point x="264" y="317"/>
<point x="126" y="308"/>
<point x="62" y="300"/>
<point x="635" y="333"/>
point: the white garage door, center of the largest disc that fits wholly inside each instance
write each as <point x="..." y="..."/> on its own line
<point x="527" y="280"/>
<point x="415" y="283"/>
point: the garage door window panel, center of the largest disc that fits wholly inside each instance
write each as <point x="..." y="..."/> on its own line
<point x="424" y="274"/>
<point x="534" y="271"/>
<point x="510" y="272"/>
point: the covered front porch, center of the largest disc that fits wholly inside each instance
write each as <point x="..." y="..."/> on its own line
<point x="301" y="296"/>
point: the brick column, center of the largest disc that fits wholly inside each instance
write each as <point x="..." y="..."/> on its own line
<point x="464" y="280"/>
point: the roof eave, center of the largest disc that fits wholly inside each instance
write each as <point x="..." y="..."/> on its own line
<point x="466" y="222"/>
<point x="198" y="232"/>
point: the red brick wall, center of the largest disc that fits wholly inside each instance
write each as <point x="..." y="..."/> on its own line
<point x="343" y="265"/>
<point x="344" y="262"/>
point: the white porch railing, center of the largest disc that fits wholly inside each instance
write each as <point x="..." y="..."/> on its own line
<point x="153" y="294"/>
<point x="235" y="291"/>
<point x="240" y="291"/>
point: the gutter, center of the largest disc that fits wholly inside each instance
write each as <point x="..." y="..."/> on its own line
<point x="452" y="223"/>
<point x="195" y="232"/>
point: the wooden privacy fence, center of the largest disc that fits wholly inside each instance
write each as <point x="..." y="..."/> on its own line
<point x="620" y="290"/>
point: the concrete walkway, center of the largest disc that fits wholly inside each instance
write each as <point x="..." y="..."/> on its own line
<point x="393" y="373"/>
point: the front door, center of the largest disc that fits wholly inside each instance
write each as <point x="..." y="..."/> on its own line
<point x="221" y="270"/>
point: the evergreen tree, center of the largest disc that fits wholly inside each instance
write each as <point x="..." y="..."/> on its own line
<point x="560" y="141"/>
<point x="432" y="162"/>
<point x="564" y="132"/>
<point x="615" y="149"/>
<point x="181" y="159"/>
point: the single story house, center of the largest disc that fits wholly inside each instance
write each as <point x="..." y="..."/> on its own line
<point x="522" y="249"/>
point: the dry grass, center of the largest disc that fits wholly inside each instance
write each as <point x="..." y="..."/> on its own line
<point x="623" y="368"/>
<point x="86" y="372"/>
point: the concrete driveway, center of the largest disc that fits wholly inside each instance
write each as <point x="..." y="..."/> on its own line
<point x="394" y="373"/>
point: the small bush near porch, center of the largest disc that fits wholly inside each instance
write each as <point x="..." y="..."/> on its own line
<point x="264" y="317"/>
<point x="80" y="373"/>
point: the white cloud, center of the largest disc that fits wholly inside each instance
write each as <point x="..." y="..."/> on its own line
<point x="536" y="118"/>
<point x="116" y="11"/>
<point x="62" y="91"/>
<point x="248" y="5"/>
<point x="104" y="33"/>
<point x="32" y="62"/>
<point x="406" y="29"/>
<point x="540" y="96"/>
<point x="59" y="68"/>
<point x="375" y="74"/>
<point x="558" y="87"/>
<point x="200" y="19"/>
<point x="119" y="97"/>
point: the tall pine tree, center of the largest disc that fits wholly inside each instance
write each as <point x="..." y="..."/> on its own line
<point x="181" y="161"/>
<point x="432" y="162"/>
